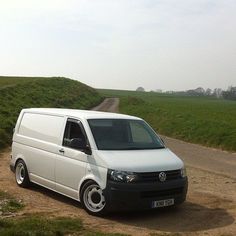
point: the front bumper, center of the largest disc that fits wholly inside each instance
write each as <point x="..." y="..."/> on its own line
<point x="121" y="196"/>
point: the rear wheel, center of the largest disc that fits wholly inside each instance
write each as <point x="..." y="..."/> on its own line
<point x="93" y="199"/>
<point x="21" y="174"/>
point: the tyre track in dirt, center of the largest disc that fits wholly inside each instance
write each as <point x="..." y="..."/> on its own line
<point x="210" y="208"/>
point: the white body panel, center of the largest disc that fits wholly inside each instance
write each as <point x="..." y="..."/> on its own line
<point x="38" y="140"/>
<point x="75" y="164"/>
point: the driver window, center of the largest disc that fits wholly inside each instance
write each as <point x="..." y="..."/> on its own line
<point x="73" y="131"/>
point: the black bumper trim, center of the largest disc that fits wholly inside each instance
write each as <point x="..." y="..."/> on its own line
<point x="124" y="196"/>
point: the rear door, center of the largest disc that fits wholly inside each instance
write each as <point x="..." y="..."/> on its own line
<point x="71" y="162"/>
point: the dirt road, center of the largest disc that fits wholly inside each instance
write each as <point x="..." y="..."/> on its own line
<point x="109" y="104"/>
<point x="210" y="208"/>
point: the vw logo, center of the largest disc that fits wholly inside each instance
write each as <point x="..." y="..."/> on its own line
<point x="162" y="176"/>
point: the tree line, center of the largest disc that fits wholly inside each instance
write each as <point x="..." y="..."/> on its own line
<point x="230" y="93"/>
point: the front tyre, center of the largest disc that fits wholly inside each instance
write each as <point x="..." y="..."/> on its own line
<point x="93" y="199"/>
<point x="21" y="174"/>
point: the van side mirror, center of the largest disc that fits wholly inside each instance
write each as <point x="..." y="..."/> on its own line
<point x="88" y="150"/>
<point x="79" y="143"/>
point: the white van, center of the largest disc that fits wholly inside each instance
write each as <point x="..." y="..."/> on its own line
<point x="106" y="161"/>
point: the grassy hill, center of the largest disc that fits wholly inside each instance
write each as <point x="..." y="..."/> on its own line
<point x="17" y="93"/>
<point x="207" y="121"/>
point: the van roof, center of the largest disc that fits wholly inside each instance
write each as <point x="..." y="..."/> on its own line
<point x="86" y="114"/>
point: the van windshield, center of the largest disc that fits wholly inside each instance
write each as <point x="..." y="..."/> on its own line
<point x="123" y="134"/>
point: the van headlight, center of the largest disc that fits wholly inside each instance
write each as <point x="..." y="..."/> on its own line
<point x="183" y="172"/>
<point x="122" y="176"/>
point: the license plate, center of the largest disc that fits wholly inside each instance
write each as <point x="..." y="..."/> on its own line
<point x="163" y="203"/>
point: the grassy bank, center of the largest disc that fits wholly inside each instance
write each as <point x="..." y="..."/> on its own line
<point x="207" y="121"/>
<point x="17" y="93"/>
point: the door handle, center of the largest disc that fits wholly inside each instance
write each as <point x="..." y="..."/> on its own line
<point x="61" y="150"/>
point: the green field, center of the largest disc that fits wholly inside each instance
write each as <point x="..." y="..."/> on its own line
<point x="17" y="93"/>
<point x="203" y="120"/>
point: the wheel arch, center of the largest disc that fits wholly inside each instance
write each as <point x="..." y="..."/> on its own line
<point x="87" y="179"/>
<point x="21" y="173"/>
<point x="18" y="158"/>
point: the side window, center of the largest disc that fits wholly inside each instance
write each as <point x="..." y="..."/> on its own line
<point x="74" y="136"/>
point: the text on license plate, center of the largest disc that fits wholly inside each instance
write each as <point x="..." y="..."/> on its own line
<point x="163" y="203"/>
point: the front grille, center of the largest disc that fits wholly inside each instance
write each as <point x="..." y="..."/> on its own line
<point x="161" y="193"/>
<point x="154" y="176"/>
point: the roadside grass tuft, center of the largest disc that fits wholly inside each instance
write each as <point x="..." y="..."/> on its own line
<point x="9" y="204"/>
<point x="45" y="226"/>
<point x="36" y="225"/>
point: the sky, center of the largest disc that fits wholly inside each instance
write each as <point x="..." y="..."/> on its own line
<point x="121" y="44"/>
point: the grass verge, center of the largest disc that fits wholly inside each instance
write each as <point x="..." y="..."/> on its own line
<point x="45" y="226"/>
